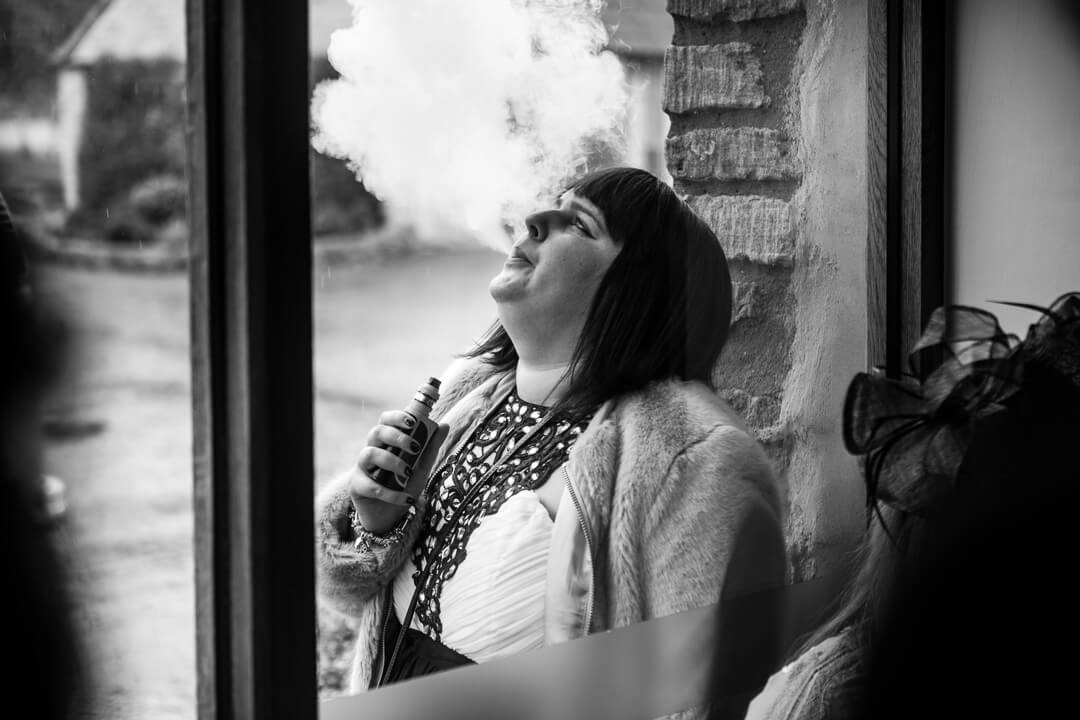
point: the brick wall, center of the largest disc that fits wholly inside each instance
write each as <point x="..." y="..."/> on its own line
<point x="733" y="151"/>
<point x="736" y="77"/>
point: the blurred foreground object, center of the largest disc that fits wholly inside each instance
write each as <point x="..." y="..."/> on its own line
<point x="971" y="479"/>
<point x="990" y="598"/>
<point x="46" y="671"/>
<point x="54" y="497"/>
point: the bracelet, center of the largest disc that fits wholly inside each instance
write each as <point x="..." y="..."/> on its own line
<point x="365" y="539"/>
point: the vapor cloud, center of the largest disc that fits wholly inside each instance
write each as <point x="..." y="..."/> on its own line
<point x="464" y="115"/>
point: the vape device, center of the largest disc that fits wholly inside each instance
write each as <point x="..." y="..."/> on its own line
<point x="422" y="431"/>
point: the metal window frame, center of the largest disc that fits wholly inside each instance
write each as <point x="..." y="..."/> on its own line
<point x="250" y="276"/>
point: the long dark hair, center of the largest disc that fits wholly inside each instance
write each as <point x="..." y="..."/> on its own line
<point x="884" y="549"/>
<point x="662" y="310"/>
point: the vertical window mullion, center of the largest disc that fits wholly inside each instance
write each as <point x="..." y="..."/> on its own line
<point x="908" y="81"/>
<point x="251" y="358"/>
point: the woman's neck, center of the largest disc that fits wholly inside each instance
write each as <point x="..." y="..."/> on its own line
<point x="541" y="383"/>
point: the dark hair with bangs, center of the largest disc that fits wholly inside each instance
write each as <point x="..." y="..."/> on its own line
<point x="662" y="310"/>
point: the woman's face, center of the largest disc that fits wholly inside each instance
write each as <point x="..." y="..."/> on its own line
<point x="551" y="276"/>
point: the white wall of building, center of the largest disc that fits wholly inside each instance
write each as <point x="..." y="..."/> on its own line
<point x="1017" y="155"/>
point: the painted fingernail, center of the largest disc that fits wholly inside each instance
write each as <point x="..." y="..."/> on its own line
<point x="415" y="446"/>
<point x="410" y="420"/>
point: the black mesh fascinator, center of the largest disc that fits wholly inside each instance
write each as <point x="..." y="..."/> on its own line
<point x="915" y="435"/>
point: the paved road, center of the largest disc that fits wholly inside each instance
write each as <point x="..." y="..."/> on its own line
<point x="381" y="328"/>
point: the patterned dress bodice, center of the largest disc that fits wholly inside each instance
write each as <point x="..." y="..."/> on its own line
<point x="503" y="457"/>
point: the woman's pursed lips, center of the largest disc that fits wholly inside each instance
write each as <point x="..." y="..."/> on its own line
<point x="517" y="255"/>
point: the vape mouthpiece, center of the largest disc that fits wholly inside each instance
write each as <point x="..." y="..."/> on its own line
<point x="428" y="393"/>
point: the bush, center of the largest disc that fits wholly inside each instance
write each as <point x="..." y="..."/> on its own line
<point x="340" y="203"/>
<point x="124" y="226"/>
<point x="134" y="130"/>
<point x="155" y="211"/>
<point x="133" y="159"/>
<point x="335" y="640"/>
<point x="160" y="199"/>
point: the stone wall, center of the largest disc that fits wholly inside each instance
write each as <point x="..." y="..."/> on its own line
<point x="768" y="144"/>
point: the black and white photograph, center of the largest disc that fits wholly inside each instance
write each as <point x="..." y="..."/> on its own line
<point x="539" y="359"/>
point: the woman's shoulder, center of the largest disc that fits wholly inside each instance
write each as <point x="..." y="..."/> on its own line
<point x="681" y="415"/>
<point x="839" y="650"/>
<point x="685" y="425"/>
<point x="820" y="683"/>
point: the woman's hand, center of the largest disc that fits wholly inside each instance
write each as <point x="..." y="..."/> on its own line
<point x="378" y="507"/>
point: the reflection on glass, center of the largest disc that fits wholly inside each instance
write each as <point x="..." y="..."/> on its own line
<point x="519" y="531"/>
<point x="93" y="158"/>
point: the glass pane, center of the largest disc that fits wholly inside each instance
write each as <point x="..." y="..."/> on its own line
<point x="93" y="158"/>
<point x="418" y="188"/>
<point x="391" y="308"/>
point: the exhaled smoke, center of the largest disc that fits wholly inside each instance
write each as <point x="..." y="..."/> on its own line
<point x="464" y="115"/>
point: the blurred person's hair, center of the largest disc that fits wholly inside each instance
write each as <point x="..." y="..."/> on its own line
<point x="985" y="623"/>
<point x="662" y="310"/>
<point x="862" y="601"/>
<point x="44" y="672"/>
<point x="972" y="481"/>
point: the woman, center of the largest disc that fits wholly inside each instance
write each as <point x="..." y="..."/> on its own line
<point x="589" y="477"/>
<point x="948" y="610"/>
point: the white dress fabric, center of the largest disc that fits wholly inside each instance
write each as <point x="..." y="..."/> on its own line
<point x="493" y="606"/>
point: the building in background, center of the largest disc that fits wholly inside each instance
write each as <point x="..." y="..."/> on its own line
<point x="640" y="32"/>
<point x="132" y="32"/>
<point x="151" y="32"/>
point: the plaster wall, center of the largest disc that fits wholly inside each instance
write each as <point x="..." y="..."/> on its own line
<point x="829" y="285"/>
<point x="1017" y="155"/>
<point x="71" y="100"/>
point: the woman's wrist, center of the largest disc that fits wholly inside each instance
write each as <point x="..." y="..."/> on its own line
<point x="375" y="515"/>
<point x="368" y="539"/>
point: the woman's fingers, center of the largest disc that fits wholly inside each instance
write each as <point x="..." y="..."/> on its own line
<point x="399" y="419"/>
<point x="387" y="435"/>
<point x="372" y="459"/>
<point x="392" y="434"/>
<point x="424" y="464"/>
<point x="363" y="487"/>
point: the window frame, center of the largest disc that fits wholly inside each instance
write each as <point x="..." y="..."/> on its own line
<point x="909" y="84"/>
<point x="250" y="278"/>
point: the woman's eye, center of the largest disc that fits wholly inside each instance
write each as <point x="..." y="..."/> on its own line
<point x="580" y="225"/>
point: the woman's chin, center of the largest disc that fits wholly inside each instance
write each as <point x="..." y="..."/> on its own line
<point x="510" y="283"/>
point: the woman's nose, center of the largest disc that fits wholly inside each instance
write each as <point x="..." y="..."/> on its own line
<point x="537" y="225"/>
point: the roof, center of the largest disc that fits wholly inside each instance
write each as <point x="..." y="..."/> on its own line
<point x="127" y="30"/>
<point x="154" y="29"/>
